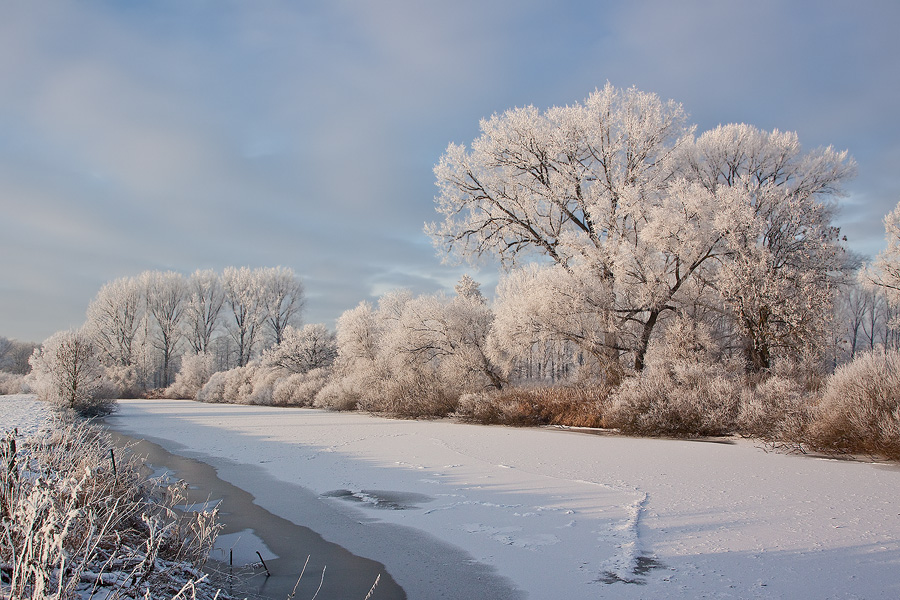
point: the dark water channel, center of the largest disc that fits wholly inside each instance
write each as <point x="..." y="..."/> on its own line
<point x="283" y="546"/>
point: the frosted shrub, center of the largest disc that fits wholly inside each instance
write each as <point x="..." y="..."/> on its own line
<point x="410" y="394"/>
<point x="238" y="385"/>
<point x="659" y="403"/>
<point x="214" y="389"/>
<point x="339" y="393"/>
<point x="300" y="389"/>
<point x="777" y="410"/>
<point x="195" y="372"/>
<point x="263" y="382"/>
<point x="860" y="409"/>
<point x="530" y="406"/>
<point x="125" y="380"/>
<point x="686" y="390"/>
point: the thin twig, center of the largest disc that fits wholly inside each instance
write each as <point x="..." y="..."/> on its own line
<point x="320" y="583"/>
<point x="302" y="571"/>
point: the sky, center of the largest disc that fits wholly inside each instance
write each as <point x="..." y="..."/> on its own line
<point x="188" y="134"/>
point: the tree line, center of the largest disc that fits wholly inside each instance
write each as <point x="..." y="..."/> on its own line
<point x="678" y="275"/>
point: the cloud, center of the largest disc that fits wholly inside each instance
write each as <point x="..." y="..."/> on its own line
<point x="171" y="135"/>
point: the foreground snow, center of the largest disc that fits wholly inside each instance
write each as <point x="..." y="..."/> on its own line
<point x="561" y="514"/>
<point x="25" y="414"/>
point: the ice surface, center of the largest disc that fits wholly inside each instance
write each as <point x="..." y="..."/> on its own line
<point x="568" y="515"/>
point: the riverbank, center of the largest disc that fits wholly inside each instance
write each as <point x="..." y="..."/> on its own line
<point x="447" y="507"/>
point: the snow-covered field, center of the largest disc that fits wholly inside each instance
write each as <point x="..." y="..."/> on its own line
<point x="24" y="413"/>
<point x="563" y="514"/>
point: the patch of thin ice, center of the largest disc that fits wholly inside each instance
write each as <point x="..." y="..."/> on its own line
<point x="25" y="413"/>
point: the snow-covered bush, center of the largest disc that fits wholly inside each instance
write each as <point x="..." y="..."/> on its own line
<point x="686" y="390"/>
<point x="860" y="408"/>
<point x="195" y="372"/>
<point x="238" y="385"/>
<point x="68" y="373"/>
<point x="413" y="355"/>
<point x="258" y="384"/>
<point x="339" y="393"/>
<point x="776" y="410"/>
<point x="126" y="381"/>
<point x="300" y="389"/>
<point x="214" y="389"/>
<point x="263" y="381"/>
<point x="660" y="403"/>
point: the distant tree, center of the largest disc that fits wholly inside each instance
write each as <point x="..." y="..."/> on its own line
<point x="166" y="295"/>
<point x="6" y="347"/>
<point x="884" y="273"/>
<point x="14" y="356"/>
<point x="246" y="303"/>
<point x="68" y="373"/>
<point x="283" y="298"/>
<point x="114" y="319"/>
<point x="204" y="306"/>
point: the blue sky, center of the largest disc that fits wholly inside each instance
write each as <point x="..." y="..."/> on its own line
<point x="198" y="134"/>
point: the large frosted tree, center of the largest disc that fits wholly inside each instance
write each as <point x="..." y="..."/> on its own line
<point x="618" y="194"/>
<point x="594" y="187"/>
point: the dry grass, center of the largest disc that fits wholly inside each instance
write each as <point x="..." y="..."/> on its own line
<point x="532" y="406"/>
<point x="74" y="523"/>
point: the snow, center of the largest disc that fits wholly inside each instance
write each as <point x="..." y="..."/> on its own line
<point x="564" y="514"/>
<point x="25" y="413"/>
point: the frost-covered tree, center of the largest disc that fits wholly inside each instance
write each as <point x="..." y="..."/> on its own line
<point x="448" y="335"/>
<point x="785" y="256"/>
<point x="114" y="319"/>
<point x="246" y="303"/>
<point x="541" y="308"/>
<point x="595" y="187"/>
<point x="283" y="298"/>
<point x="302" y="350"/>
<point x="14" y="356"/>
<point x="618" y="194"/>
<point x="195" y="371"/>
<point x="884" y="273"/>
<point x="204" y="306"/>
<point x="166" y="296"/>
<point x="68" y="372"/>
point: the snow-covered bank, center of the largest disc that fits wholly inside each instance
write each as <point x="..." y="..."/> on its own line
<point x="562" y="514"/>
